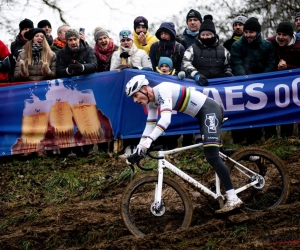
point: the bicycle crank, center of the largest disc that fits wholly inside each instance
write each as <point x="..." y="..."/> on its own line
<point x="158" y="210"/>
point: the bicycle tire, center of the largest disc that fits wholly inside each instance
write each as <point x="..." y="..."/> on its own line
<point x="138" y="197"/>
<point x="276" y="189"/>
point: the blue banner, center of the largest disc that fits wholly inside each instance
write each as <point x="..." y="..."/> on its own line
<point x="91" y="109"/>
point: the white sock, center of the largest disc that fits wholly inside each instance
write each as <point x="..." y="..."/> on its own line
<point x="231" y="195"/>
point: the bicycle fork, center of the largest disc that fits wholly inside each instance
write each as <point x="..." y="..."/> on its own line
<point x="158" y="206"/>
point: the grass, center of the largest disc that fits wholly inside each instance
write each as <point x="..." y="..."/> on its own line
<point x="28" y="182"/>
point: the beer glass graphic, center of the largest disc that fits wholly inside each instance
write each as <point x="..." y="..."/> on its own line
<point x="61" y="120"/>
<point x="34" y="123"/>
<point x="85" y="114"/>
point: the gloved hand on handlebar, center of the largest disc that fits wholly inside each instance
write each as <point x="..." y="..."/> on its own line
<point x="143" y="146"/>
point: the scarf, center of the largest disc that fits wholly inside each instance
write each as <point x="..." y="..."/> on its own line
<point x="59" y="43"/>
<point x="104" y="54"/>
<point x="192" y="33"/>
<point x="36" y="53"/>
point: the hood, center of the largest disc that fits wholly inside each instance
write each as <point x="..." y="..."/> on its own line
<point x="168" y="27"/>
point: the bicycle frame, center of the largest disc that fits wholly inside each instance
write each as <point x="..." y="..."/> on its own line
<point x="163" y="163"/>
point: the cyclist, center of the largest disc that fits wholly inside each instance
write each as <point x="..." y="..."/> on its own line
<point x="170" y="96"/>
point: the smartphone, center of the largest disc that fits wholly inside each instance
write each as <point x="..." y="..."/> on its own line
<point x="82" y="30"/>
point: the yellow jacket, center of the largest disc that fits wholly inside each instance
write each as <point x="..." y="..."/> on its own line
<point x="149" y="38"/>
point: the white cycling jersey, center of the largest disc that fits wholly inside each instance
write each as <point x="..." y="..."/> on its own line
<point x="170" y="96"/>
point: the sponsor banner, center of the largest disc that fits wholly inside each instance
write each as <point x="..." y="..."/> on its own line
<point x="91" y="109"/>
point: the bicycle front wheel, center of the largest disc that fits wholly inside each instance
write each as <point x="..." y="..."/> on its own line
<point x="276" y="187"/>
<point x="138" y="199"/>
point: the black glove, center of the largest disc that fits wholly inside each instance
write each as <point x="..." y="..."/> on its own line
<point x="135" y="157"/>
<point x="75" y="67"/>
<point x="201" y="80"/>
<point x="124" y="55"/>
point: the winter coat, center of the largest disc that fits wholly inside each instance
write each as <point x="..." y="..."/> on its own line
<point x="190" y="39"/>
<point x="289" y="53"/>
<point x="227" y="44"/>
<point x="4" y="52"/>
<point x="167" y="48"/>
<point x="35" y="72"/>
<point x="150" y="39"/>
<point x="84" y="55"/>
<point x="212" y="61"/>
<point x="15" y="48"/>
<point x="252" y="58"/>
<point x="138" y="58"/>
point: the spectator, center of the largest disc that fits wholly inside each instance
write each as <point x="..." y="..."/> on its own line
<point x="297" y="23"/>
<point x="17" y="45"/>
<point x="193" y="21"/>
<point x="165" y="66"/>
<point x="104" y="48"/>
<point x="167" y="46"/>
<point x="4" y="63"/>
<point x="76" y="58"/>
<point x="251" y="55"/>
<point x="46" y="25"/>
<point x="131" y="56"/>
<point x="238" y="29"/>
<point x="60" y="41"/>
<point x="206" y="58"/>
<point x="141" y="36"/>
<point x="37" y="61"/>
<point x="287" y="55"/>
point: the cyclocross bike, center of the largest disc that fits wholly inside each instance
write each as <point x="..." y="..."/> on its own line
<point x="158" y="203"/>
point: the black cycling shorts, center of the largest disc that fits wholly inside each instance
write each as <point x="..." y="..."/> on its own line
<point x="210" y="118"/>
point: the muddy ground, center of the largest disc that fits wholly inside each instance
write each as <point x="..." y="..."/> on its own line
<point x="76" y="223"/>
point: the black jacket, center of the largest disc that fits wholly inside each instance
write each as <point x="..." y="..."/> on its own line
<point x="84" y="55"/>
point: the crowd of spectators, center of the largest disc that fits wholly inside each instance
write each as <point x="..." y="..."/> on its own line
<point x="196" y="54"/>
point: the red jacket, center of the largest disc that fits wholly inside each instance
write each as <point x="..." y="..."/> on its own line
<point x="4" y="52"/>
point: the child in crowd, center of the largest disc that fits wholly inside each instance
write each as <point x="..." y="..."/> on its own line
<point x="165" y="66"/>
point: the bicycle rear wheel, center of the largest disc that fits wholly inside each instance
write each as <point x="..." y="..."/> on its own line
<point x="138" y="198"/>
<point x="276" y="188"/>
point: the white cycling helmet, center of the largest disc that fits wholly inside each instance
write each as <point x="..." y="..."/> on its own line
<point x="135" y="84"/>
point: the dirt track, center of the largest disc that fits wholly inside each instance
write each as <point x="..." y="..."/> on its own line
<point x="97" y="224"/>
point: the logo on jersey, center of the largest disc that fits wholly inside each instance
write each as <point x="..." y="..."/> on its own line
<point x="211" y="122"/>
<point x="160" y="99"/>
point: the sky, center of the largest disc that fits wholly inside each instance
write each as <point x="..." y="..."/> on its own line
<point x="92" y="13"/>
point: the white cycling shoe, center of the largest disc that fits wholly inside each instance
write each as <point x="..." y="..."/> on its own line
<point x="230" y="205"/>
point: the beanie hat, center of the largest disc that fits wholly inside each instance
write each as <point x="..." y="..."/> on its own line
<point x="168" y="27"/>
<point x="165" y="60"/>
<point x="70" y="33"/>
<point x="26" y="23"/>
<point x="31" y="33"/>
<point x="100" y="32"/>
<point x="208" y="25"/>
<point x="193" y="13"/>
<point x="125" y="34"/>
<point x="140" y="20"/>
<point x="239" y="19"/>
<point x="43" y="23"/>
<point x="252" y="24"/>
<point x="297" y="15"/>
<point x="286" y="28"/>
